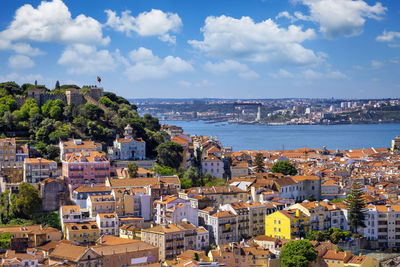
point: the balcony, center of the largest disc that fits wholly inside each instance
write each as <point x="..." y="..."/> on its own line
<point x="76" y="169"/>
<point x="101" y="168"/>
<point x="100" y="176"/>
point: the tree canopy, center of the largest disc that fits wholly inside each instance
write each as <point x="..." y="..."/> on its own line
<point x="284" y="167"/>
<point x="26" y="202"/>
<point x="170" y="154"/>
<point x="356" y="204"/>
<point x="259" y="162"/>
<point x="132" y="169"/>
<point x="297" y="253"/>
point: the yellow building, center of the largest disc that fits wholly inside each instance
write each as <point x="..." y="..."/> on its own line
<point x="82" y="232"/>
<point x="396" y="144"/>
<point x="287" y="224"/>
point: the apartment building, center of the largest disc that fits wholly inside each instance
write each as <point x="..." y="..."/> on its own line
<point x="81" y="232"/>
<point x="37" y="235"/>
<point x="169" y="238"/>
<point x="287" y="224"/>
<point x="223" y="227"/>
<point x="174" y="239"/>
<point x="251" y="217"/>
<point x="39" y="169"/>
<point x="320" y="218"/>
<point x="219" y="195"/>
<point x="135" y="202"/>
<point x="77" y="145"/>
<point x="108" y="223"/>
<point x="214" y="166"/>
<point x="171" y="209"/>
<point x="100" y="204"/>
<point x="69" y="214"/>
<point x="87" y="167"/>
<point x="81" y="193"/>
<point x="7" y="152"/>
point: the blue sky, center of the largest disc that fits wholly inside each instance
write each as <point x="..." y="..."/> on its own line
<point x="227" y="49"/>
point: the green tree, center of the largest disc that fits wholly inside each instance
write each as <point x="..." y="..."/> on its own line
<point x="164" y="170"/>
<point x="284" y="167"/>
<point x="53" y="152"/>
<point x="5" y="240"/>
<point x="259" y="162"/>
<point x="151" y="123"/>
<point x="55" y="112"/>
<point x="355" y="203"/>
<point x="297" y="253"/>
<point x="132" y="169"/>
<point x="57" y="86"/>
<point x="192" y="174"/>
<point x="170" y="154"/>
<point x="26" y="202"/>
<point x="186" y="183"/>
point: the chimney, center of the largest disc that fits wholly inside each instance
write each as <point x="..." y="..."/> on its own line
<point x="297" y="213"/>
<point x="253" y="194"/>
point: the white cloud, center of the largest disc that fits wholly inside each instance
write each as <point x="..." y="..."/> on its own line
<point x="341" y="17"/>
<point x="153" y="23"/>
<point x="148" y="66"/>
<point x="375" y="64"/>
<point x="388" y="36"/>
<point x="201" y="84"/>
<point x="285" y="14"/>
<point x="86" y="59"/>
<point x="229" y="38"/>
<point x="52" y="21"/>
<point x="20" y="62"/>
<point x="309" y="74"/>
<point x="21" y="79"/>
<point x="26" y="49"/>
<point x="228" y="65"/>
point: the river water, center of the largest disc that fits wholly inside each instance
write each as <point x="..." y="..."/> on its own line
<point x="264" y="137"/>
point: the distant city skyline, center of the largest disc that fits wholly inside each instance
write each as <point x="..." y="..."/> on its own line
<point x="206" y="49"/>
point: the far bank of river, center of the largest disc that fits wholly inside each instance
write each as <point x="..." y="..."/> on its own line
<point x="264" y="137"/>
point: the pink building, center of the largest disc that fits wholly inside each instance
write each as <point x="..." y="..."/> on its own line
<point x="87" y="167"/>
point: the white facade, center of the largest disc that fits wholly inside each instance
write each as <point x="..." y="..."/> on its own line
<point x="108" y="223"/>
<point x="176" y="211"/>
<point x="213" y="166"/>
<point x="128" y="148"/>
<point x="371" y="222"/>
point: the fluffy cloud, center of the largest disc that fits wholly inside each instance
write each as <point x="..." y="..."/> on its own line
<point x="341" y="17"/>
<point x="388" y="36"/>
<point x="153" y="23"/>
<point x="227" y="37"/>
<point x="86" y="59"/>
<point x="148" y="66"/>
<point x="52" y="21"/>
<point x="20" y="62"/>
<point x="231" y="66"/>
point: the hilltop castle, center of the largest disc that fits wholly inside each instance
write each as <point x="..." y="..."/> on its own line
<point x="71" y="95"/>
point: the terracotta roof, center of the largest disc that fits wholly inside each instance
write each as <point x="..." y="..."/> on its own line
<point x="79" y="144"/>
<point x="86" y="156"/>
<point x="35" y="161"/>
<point x="69" y="208"/>
<point x="170" y="228"/>
<point x="68" y="252"/>
<point x="110" y="240"/>
<point x="88" y="189"/>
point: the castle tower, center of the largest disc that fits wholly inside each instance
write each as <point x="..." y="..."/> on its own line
<point x="128" y="131"/>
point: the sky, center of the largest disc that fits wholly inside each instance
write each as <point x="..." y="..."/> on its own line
<point x="206" y="48"/>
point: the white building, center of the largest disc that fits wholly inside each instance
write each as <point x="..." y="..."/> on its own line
<point x="172" y="209"/>
<point x="213" y="166"/>
<point x="128" y="148"/>
<point x="108" y="223"/>
<point x="70" y="214"/>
